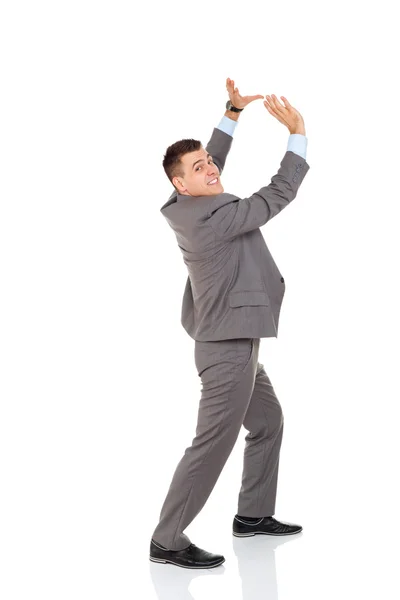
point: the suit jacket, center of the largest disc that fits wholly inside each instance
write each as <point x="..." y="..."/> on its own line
<point x="234" y="288"/>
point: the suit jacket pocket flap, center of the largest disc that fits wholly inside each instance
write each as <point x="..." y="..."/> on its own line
<point x="248" y="298"/>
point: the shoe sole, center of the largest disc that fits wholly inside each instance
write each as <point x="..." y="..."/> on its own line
<point x="264" y="533"/>
<point x="171" y="562"/>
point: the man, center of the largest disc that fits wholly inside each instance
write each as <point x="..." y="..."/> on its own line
<point x="232" y="298"/>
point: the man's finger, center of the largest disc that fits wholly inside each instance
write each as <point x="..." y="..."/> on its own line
<point x="274" y="113"/>
<point x="278" y="106"/>
<point x="286" y="102"/>
<point x="270" y="103"/>
<point x="269" y="107"/>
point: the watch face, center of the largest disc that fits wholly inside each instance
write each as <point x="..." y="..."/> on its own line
<point x="230" y="106"/>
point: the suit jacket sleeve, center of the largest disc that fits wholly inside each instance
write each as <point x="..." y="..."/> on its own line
<point x="219" y="145"/>
<point x="240" y="215"/>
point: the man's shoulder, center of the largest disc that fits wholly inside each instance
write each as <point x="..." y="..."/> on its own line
<point x="203" y="204"/>
<point x="171" y="200"/>
<point x="220" y="200"/>
<point x="207" y="205"/>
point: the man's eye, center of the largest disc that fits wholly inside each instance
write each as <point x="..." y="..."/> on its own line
<point x="209" y="160"/>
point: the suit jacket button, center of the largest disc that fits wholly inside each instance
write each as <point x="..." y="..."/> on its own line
<point x="282" y="280"/>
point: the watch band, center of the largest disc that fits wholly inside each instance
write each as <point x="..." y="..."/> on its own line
<point x="229" y="106"/>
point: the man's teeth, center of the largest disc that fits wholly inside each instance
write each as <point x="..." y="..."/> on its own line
<point x="212" y="182"/>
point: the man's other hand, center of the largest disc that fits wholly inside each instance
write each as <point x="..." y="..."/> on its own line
<point x="285" y="113"/>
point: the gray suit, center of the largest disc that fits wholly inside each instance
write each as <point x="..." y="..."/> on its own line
<point x="232" y="298"/>
<point x="234" y="288"/>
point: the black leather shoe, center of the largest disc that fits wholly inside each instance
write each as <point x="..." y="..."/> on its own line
<point x="265" y="525"/>
<point x="191" y="557"/>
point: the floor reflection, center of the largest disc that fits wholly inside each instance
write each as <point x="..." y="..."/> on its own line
<point x="256" y="564"/>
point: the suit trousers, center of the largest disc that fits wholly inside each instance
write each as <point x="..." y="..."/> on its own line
<point x="235" y="391"/>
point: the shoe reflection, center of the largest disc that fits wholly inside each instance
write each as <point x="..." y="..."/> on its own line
<point x="172" y="583"/>
<point x="256" y="564"/>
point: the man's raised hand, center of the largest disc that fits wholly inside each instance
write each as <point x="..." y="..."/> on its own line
<point x="285" y="113"/>
<point x="236" y="99"/>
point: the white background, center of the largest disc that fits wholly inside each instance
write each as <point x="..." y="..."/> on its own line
<point x="99" y="391"/>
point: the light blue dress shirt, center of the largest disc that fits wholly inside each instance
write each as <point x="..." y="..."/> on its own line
<point x="297" y="142"/>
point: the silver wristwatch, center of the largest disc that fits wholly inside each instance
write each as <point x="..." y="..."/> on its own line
<point x="229" y="106"/>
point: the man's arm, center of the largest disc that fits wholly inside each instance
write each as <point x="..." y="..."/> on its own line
<point x="241" y="215"/>
<point x="237" y="216"/>
<point x="221" y="140"/>
<point x="220" y="144"/>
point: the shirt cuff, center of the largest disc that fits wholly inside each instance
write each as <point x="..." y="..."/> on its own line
<point x="228" y="125"/>
<point x="297" y="143"/>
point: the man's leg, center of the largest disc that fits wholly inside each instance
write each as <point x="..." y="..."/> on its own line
<point x="264" y="422"/>
<point x="227" y="369"/>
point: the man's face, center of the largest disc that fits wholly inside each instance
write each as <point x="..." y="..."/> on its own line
<point x="201" y="175"/>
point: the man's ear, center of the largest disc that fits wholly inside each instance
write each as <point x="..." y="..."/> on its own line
<point x="178" y="184"/>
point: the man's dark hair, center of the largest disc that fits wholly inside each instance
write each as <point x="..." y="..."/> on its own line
<point x="172" y="158"/>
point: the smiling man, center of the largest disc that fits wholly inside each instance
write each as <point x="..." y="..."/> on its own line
<point x="232" y="298"/>
<point x="200" y="175"/>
